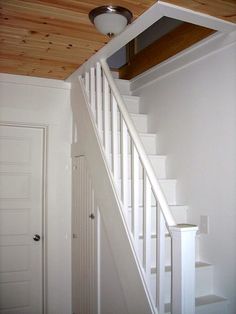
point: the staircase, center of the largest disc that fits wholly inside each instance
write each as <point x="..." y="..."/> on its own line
<point x="206" y="301"/>
<point x="161" y="241"/>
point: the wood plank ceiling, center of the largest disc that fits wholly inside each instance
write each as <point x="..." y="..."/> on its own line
<point x="222" y="9"/>
<point x="52" y="38"/>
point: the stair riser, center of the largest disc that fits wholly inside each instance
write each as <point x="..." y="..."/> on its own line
<point x="153" y="246"/>
<point x="210" y="308"/>
<point x="132" y="103"/>
<point x="168" y="188"/>
<point x="179" y="213"/>
<point x="149" y="142"/>
<point x="167" y="250"/>
<point x="203" y="286"/>
<point x="123" y="86"/>
<point x="140" y="122"/>
<point x="158" y="164"/>
<point x="215" y="308"/>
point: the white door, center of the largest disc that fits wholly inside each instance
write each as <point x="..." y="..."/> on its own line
<point x="21" y="217"/>
<point x="85" y="230"/>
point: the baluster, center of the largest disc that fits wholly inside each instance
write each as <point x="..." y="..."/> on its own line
<point x="92" y="91"/>
<point x="114" y="138"/>
<point x="135" y="194"/>
<point x="124" y="165"/>
<point x="106" y="105"/>
<point x="160" y="260"/>
<point x="87" y="83"/>
<point x="99" y="97"/>
<point x="147" y="227"/>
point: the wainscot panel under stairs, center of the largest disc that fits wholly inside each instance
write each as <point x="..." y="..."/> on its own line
<point x="206" y="301"/>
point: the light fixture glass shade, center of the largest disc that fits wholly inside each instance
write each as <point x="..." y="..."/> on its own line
<point x="110" y="24"/>
<point x="110" y="20"/>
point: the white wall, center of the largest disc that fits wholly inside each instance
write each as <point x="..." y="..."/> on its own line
<point x="43" y="101"/>
<point x="193" y="110"/>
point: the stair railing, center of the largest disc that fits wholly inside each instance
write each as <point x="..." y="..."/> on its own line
<point x="122" y="146"/>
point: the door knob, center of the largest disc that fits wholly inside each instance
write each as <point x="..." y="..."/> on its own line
<point x="92" y="216"/>
<point x="36" y="237"/>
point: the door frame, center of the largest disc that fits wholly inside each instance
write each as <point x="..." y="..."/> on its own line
<point x="44" y="128"/>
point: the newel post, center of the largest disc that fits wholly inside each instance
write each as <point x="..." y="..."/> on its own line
<point x="183" y="268"/>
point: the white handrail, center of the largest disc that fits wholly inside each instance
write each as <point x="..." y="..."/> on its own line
<point x="156" y="188"/>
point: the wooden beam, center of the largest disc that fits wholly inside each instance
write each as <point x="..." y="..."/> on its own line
<point x="130" y="50"/>
<point x="222" y="9"/>
<point x="167" y="46"/>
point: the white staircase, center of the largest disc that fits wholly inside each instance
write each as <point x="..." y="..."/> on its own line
<point x="157" y="236"/>
<point x="206" y="301"/>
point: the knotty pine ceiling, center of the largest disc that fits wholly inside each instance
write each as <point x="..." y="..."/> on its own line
<point x="52" y="38"/>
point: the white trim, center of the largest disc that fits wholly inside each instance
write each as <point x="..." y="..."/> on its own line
<point x="25" y="125"/>
<point x="194" y="17"/>
<point x="198" y="51"/>
<point x="153" y="14"/>
<point x="98" y="260"/>
<point x="33" y="81"/>
<point x="44" y="129"/>
<point x="45" y="209"/>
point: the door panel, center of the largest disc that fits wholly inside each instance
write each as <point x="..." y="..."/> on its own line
<point x="84" y="246"/>
<point x="21" y="216"/>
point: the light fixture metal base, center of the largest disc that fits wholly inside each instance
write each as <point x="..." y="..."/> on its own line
<point x="111" y="9"/>
<point x="110" y="20"/>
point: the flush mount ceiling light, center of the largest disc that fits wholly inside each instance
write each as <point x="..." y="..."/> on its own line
<point x="110" y="20"/>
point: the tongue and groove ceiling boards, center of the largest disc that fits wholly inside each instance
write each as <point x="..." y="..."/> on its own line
<point x="222" y="9"/>
<point x="52" y="38"/>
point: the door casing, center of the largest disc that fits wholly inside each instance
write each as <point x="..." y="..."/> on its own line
<point x="44" y="129"/>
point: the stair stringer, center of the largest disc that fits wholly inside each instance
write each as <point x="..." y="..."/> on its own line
<point x="138" y="298"/>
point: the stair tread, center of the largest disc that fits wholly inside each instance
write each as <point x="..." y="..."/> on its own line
<point x="198" y="264"/>
<point x="142" y="134"/>
<point x="141" y="206"/>
<point x="131" y="97"/>
<point x="202" y="300"/>
<point x="209" y="299"/>
<point x="149" y="155"/>
<point x="138" y="114"/>
<point x="121" y="80"/>
<point x="157" y="156"/>
<point x="147" y="134"/>
<point x="160" y="180"/>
